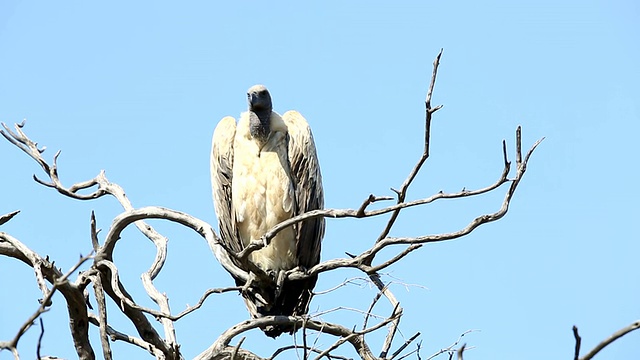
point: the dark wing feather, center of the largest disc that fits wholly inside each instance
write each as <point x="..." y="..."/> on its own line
<point x="221" y="178"/>
<point x="307" y="179"/>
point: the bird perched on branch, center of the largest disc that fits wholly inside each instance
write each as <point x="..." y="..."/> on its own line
<point x="264" y="170"/>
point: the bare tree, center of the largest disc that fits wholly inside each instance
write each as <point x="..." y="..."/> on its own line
<point x="103" y="279"/>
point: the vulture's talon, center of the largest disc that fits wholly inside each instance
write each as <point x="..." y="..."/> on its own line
<point x="280" y="283"/>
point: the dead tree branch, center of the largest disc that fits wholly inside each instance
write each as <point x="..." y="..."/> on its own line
<point x="102" y="314"/>
<point x="311" y="349"/>
<point x="73" y="295"/>
<point x="576" y="352"/>
<point x="604" y="343"/>
<point x="7" y="217"/>
<point x="402" y="193"/>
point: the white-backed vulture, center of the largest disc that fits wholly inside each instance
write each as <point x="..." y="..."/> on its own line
<point x="264" y="170"/>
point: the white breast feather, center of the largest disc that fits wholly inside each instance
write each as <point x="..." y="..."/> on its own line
<point x="262" y="193"/>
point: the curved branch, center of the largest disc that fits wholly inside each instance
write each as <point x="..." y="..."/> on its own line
<point x="20" y="139"/>
<point x="312" y="349"/>
<point x="115" y="335"/>
<point x="120" y="296"/>
<point x="604" y="343"/>
<point x="76" y="307"/>
<point x="355" y="338"/>
<point x="125" y="301"/>
<point x="155" y="212"/>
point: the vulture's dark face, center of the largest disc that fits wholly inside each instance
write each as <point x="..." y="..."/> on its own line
<point x="260" y="108"/>
<point x="259" y="99"/>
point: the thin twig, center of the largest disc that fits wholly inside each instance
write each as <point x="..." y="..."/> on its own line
<point x="368" y="201"/>
<point x="402" y="193"/>
<point x="311" y="349"/>
<point x="39" y="345"/>
<point x="369" y="311"/>
<point x="115" y="335"/>
<point x="350" y="281"/>
<point x="404" y="346"/>
<point x="204" y="296"/>
<point x="449" y="349"/>
<point x="317" y="315"/>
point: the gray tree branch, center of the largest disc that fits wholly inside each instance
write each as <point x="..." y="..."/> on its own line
<point x="604" y="343"/>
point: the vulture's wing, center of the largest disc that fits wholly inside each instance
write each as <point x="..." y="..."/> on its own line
<point x="305" y="173"/>
<point x="221" y="178"/>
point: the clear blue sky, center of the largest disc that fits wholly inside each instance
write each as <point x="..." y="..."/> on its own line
<point x="136" y="90"/>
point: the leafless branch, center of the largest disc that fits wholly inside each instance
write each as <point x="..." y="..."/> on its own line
<point x="450" y="349"/>
<point x="461" y="351"/>
<point x="204" y="296"/>
<point x="20" y="139"/>
<point x="39" y="345"/>
<point x="304" y="340"/>
<point x="604" y="343"/>
<point x="370" y="200"/>
<point x="402" y="193"/>
<point x="414" y="351"/>
<point x="237" y="348"/>
<point x="102" y="313"/>
<point x="404" y="346"/>
<point x="317" y="315"/>
<point x="370" y="310"/>
<point x="115" y="335"/>
<point x="355" y="338"/>
<point x="350" y="281"/>
<point x="59" y="282"/>
<point x="7" y="217"/>
<point x="395" y="316"/>
<point x="576" y="352"/>
<point x="312" y="349"/>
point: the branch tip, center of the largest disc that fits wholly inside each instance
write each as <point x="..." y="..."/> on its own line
<point x="5" y="218"/>
<point x="576" y="336"/>
<point x="519" y="145"/>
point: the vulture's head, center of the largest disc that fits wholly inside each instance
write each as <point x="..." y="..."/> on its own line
<point x="259" y="98"/>
<point x="260" y="108"/>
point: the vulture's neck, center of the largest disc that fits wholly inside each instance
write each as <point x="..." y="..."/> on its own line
<point x="260" y="125"/>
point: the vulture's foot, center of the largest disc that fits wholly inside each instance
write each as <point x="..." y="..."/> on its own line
<point x="280" y="283"/>
<point x="248" y="289"/>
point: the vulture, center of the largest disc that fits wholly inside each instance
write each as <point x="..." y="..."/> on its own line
<point x="264" y="170"/>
